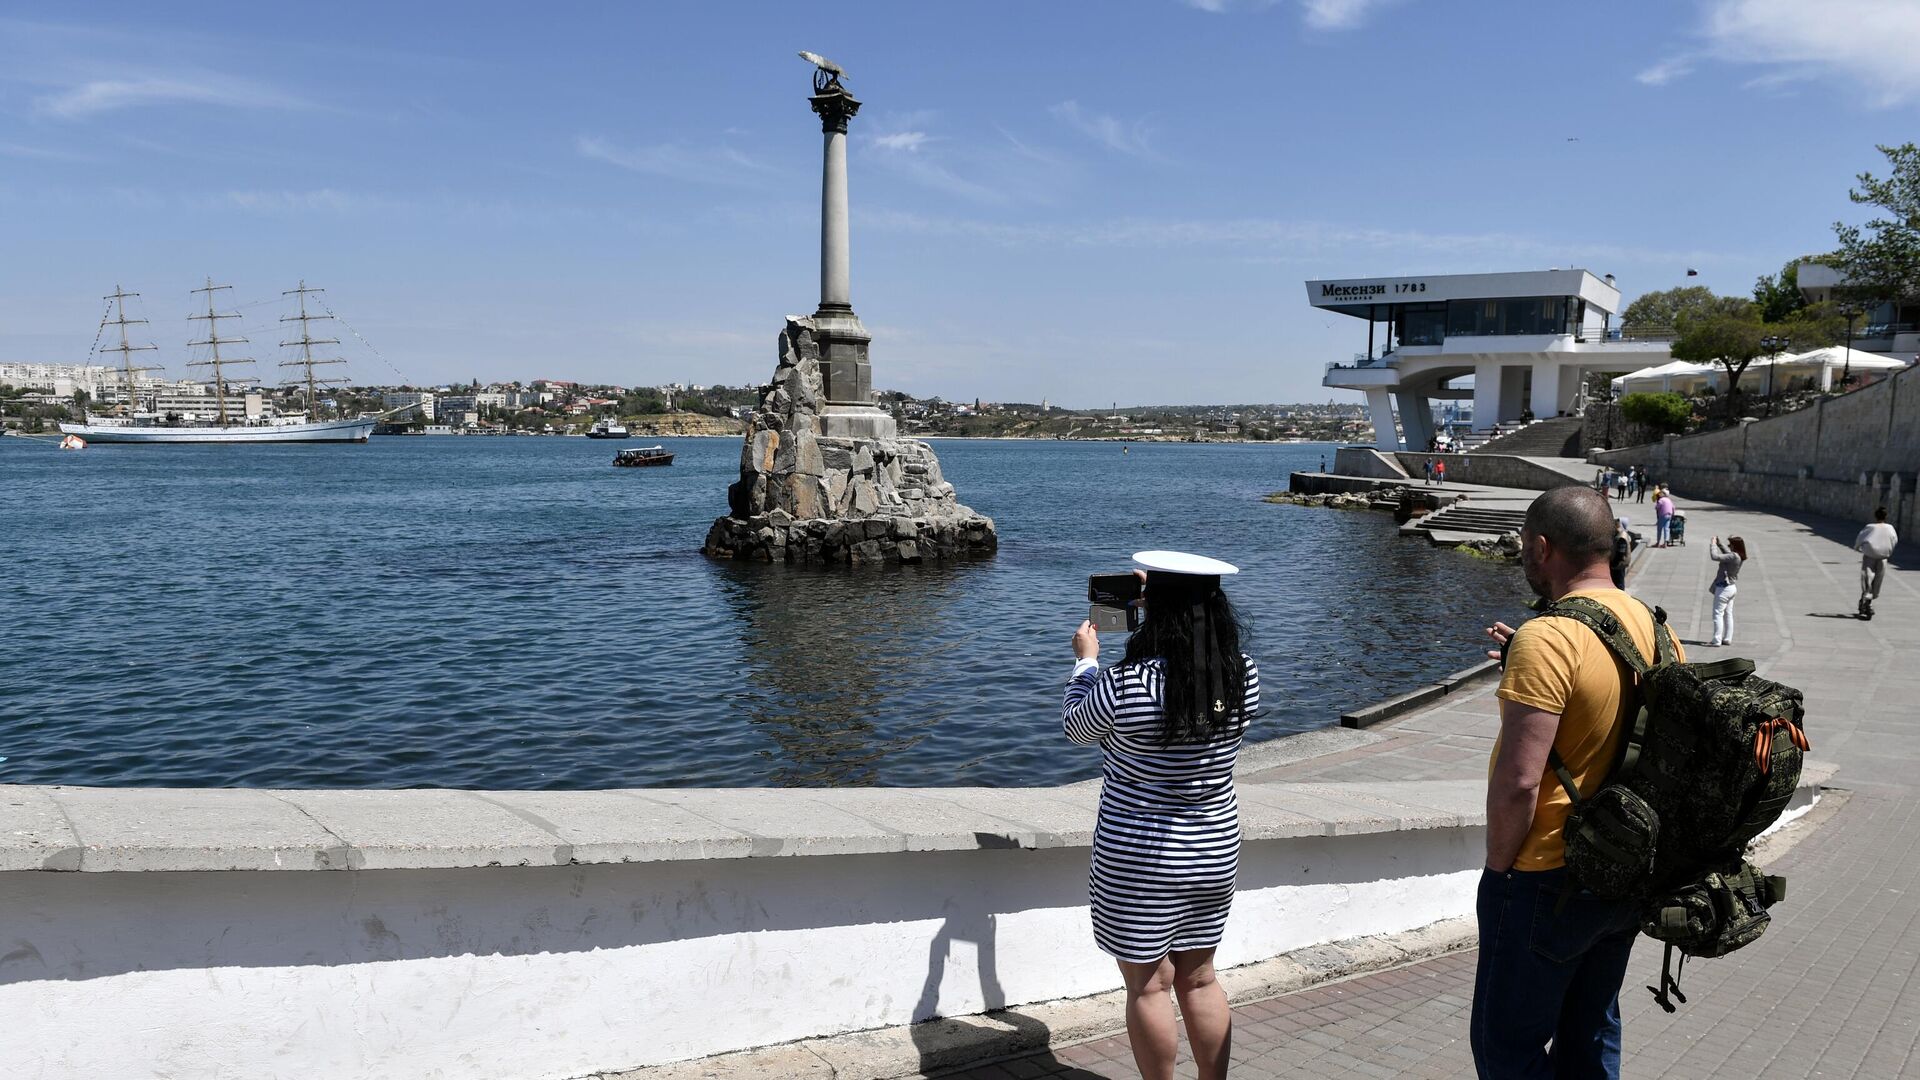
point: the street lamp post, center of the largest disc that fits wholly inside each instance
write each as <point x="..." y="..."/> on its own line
<point x="1774" y="346"/>
<point x="1846" y="366"/>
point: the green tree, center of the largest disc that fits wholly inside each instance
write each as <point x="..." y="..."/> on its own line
<point x="1882" y="261"/>
<point x="1731" y="340"/>
<point x="641" y="403"/>
<point x="1662" y="412"/>
<point x="1779" y="295"/>
<point x="1667" y="308"/>
<point x="1814" y="326"/>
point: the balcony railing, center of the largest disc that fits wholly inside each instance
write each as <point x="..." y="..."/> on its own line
<point x="1626" y="334"/>
<point x="1884" y="330"/>
<point x="1360" y="360"/>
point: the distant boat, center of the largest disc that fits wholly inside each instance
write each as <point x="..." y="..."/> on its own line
<point x="608" y="429"/>
<point x="643" y="455"/>
<point x="229" y="424"/>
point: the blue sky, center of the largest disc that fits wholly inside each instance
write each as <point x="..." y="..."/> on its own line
<point x="1083" y="201"/>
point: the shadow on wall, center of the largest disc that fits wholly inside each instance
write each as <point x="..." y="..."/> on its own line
<point x="945" y="1042"/>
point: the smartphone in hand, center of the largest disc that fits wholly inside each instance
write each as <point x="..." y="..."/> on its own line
<point x="1113" y="590"/>
<point x="1115" y="599"/>
<point x="1110" y="620"/>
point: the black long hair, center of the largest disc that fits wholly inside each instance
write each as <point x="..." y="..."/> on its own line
<point x="1192" y="628"/>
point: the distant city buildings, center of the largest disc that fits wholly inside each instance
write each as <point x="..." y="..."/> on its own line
<point x="421" y="401"/>
<point x="560" y="405"/>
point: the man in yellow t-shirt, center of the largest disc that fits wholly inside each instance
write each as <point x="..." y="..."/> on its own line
<point x="1552" y="958"/>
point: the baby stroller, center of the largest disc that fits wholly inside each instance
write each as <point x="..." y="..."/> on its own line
<point x="1677" y="529"/>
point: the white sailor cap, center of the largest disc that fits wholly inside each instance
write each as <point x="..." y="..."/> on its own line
<point x="1180" y="562"/>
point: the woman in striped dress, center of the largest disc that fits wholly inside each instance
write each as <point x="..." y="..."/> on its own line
<point x="1168" y="719"/>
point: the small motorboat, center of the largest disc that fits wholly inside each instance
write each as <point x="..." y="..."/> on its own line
<point x="643" y="455"/>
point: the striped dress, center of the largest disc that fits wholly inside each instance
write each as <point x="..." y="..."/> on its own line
<point x="1166" y="846"/>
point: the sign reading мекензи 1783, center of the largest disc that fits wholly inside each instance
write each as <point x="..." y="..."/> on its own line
<point x="1369" y="290"/>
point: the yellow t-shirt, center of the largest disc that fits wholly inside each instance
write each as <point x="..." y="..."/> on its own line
<point x="1560" y="666"/>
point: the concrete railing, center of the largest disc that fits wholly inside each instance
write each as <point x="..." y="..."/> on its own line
<point x="1495" y="470"/>
<point x="319" y="934"/>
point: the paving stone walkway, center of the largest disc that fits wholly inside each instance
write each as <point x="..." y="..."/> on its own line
<point x="1829" y="992"/>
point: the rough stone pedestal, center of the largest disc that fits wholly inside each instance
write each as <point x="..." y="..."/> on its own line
<point x="831" y="483"/>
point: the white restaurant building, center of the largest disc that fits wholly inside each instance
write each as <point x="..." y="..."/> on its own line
<point x="1517" y="345"/>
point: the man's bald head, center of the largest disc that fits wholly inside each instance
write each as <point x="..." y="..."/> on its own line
<point x="1577" y="521"/>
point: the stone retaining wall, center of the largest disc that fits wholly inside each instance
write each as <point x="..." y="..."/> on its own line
<point x="1841" y="457"/>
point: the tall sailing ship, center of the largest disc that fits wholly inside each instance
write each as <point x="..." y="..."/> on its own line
<point x="231" y="422"/>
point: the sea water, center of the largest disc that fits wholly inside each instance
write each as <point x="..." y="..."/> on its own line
<point x="516" y="613"/>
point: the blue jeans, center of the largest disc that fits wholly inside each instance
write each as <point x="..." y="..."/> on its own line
<point x="1664" y="532"/>
<point x="1548" y="976"/>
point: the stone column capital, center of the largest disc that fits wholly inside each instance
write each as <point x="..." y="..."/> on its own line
<point x="835" y="107"/>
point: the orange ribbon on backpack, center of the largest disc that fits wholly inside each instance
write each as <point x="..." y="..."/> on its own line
<point x="1763" y="741"/>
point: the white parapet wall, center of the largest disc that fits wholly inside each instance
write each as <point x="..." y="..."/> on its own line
<point x="524" y="935"/>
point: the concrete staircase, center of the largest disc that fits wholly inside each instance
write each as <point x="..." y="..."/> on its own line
<point x="1473" y="440"/>
<point x="1558" y="437"/>
<point x="1465" y="520"/>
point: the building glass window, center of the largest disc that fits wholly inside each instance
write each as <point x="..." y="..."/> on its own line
<point x="1423" y="324"/>
<point x="1518" y="315"/>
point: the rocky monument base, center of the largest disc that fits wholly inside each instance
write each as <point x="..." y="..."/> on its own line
<point x="829" y="483"/>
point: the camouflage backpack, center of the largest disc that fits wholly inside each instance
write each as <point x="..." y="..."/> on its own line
<point x="1710" y="760"/>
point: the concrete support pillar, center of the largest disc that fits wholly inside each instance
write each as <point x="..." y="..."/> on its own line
<point x="1486" y="395"/>
<point x="1416" y="419"/>
<point x="1546" y="399"/>
<point x="1380" y="408"/>
<point x="1513" y="391"/>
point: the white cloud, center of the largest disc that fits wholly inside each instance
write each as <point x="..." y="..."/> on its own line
<point x="712" y="165"/>
<point x="930" y="173"/>
<point x="987" y="173"/>
<point x="37" y="153"/>
<point x="1664" y="72"/>
<point x="1338" y="14"/>
<point x="326" y="199"/>
<point x="1108" y="131"/>
<point x="106" y="95"/>
<point x="901" y="140"/>
<point x="1221" y="7"/>
<point x="1854" y="41"/>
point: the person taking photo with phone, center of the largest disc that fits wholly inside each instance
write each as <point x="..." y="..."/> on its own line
<point x="1168" y="718"/>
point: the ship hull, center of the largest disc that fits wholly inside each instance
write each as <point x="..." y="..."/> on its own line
<point x="324" y="431"/>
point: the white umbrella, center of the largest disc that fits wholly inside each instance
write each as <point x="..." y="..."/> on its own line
<point x="1663" y="376"/>
<point x="1819" y="365"/>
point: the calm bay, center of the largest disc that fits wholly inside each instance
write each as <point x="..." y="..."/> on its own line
<point x="515" y="613"/>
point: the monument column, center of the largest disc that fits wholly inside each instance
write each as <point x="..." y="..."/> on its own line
<point x="846" y="375"/>
<point x="836" y="290"/>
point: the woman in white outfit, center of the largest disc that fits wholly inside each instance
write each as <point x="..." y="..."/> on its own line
<point x="1730" y="555"/>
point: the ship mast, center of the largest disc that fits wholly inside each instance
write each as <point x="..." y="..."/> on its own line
<point x="307" y="341"/>
<point x="213" y="338"/>
<point x="126" y="349"/>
